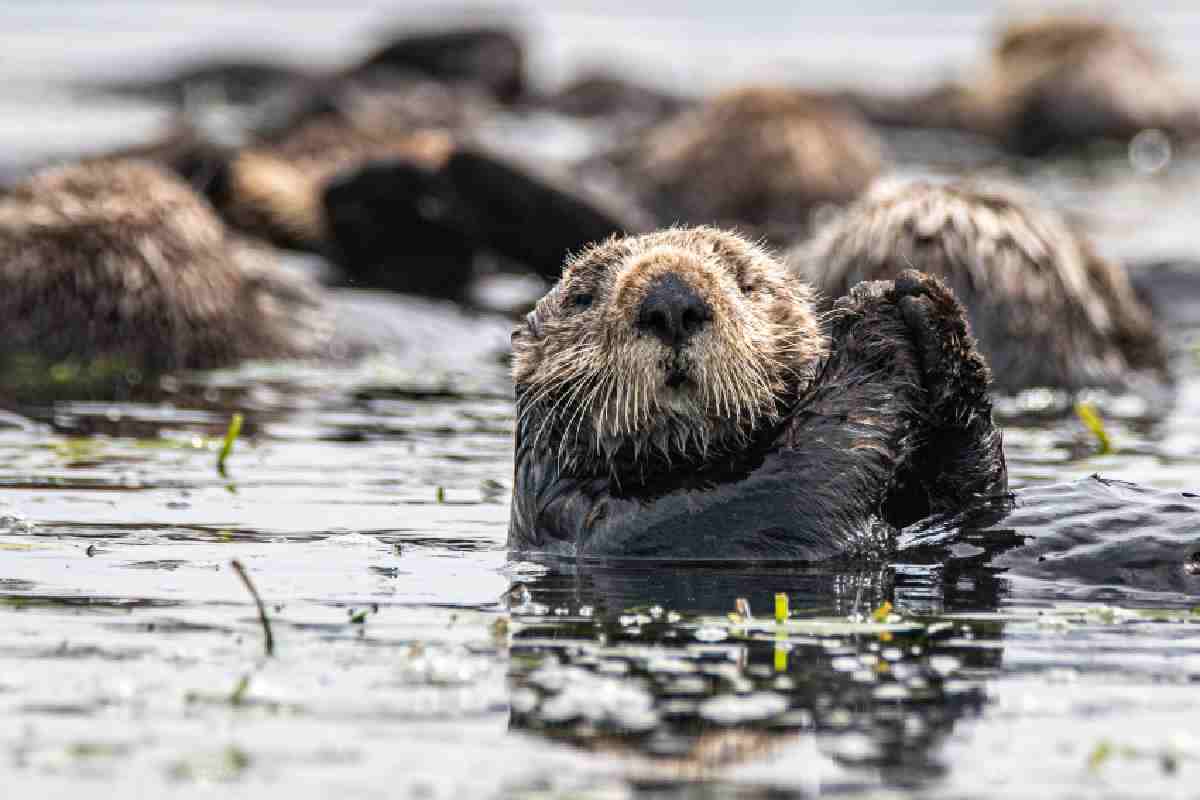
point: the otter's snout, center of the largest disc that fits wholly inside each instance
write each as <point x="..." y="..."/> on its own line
<point x="673" y="312"/>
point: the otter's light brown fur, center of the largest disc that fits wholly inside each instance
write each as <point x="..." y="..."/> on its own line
<point x="1056" y="81"/>
<point x="120" y="260"/>
<point x="600" y="390"/>
<point x="1091" y="68"/>
<point x="1047" y="309"/>
<point x="758" y="157"/>
<point x="275" y="190"/>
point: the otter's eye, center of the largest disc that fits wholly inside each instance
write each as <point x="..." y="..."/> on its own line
<point x="748" y="287"/>
<point x="580" y="301"/>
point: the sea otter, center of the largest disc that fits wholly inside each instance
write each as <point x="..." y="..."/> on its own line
<point x="1046" y="308"/>
<point x="395" y="207"/>
<point x="274" y="189"/>
<point x="1053" y="83"/>
<point x="756" y="158"/>
<point x="270" y="187"/>
<point x="678" y="397"/>
<point x="488" y="59"/>
<point x="617" y="102"/>
<point x="122" y="262"/>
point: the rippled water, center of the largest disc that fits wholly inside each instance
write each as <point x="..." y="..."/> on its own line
<point x="368" y="504"/>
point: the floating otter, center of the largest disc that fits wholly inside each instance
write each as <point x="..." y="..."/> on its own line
<point x="376" y="167"/>
<point x="1052" y="83"/>
<point x="402" y="226"/>
<point x="394" y="207"/>
<point x="1047" y="310"/>
<point x="122" y="262"/>
<point x="677" y="398"/>
<point x="234" y="81"/>
<point x="755" y="158"/>
<point x="395" y="210"/>
<point x="490" y="59"/>
<point x="275" y="190"/>
<point x="605" y="95"/>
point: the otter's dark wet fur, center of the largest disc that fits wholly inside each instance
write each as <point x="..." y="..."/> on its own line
<point x="1046" y="308"/>
<point x="1055" y="82"/>
<point x="271" y="187"/>
<point x="490" y="57"/>
<point x="395" y="207"/>
<point x="486" y="60"/>
<point x="275" y="190"/>
<point x="768" y="436"/>
<point x="756" y="158"/>
<point x="122" y="261"/>
<point x="618" y="102"/>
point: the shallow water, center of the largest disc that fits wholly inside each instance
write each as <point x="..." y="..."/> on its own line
<point x="369" y="504"/>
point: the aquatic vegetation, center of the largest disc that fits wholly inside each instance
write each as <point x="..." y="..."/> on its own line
<point x="264" y="620"/>
<point x="34" y="379"/>
<point x="1092" y="420"/>
<point x="231" y="435"/>
<point x="221" y="766"/>
<point x="883" y="613"/>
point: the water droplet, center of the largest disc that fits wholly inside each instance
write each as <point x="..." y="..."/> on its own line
<point x="1150" y="151"/>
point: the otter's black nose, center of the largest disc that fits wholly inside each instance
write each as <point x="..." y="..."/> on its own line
<point x="672" y="311"/>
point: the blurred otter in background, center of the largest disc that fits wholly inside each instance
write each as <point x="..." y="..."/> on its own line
<point x="489" y="59"/>
<point x="758" y="159"/>
<point x="396" y="205"/>
<point x="408" y="211"/>
<point x="605" y="99"/>
<point x="120" y="262"/>
<point x="604" y="94"/>
<point x="374" y="168"/>
<point x="1053" y="83"/>
<point x="1046" y="308"/>
<point x="492" y="58"/>
<point x="274" y="190"/>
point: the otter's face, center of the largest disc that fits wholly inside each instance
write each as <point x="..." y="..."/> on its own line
<point x="662" y="349"/>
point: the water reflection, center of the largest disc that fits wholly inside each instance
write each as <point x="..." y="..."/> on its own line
<point x="687" y="670"/>
<point x="649" y="660"/>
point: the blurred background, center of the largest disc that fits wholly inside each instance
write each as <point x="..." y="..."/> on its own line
<point x="370" y="500"/>
<point x="693" y="47"/>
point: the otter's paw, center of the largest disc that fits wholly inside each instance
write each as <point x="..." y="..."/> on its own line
<point x="956" y="376"/>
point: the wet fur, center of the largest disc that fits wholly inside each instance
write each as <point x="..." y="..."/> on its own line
<point x="121" y="260"/>
<point x="596" y="387"/>
<point x="1055" y="83"/>
<point x="275" y="190"/>
<point x="755" y="158"/>
<point x="1063" y="80"/>
<point x="1047" y="309"/>
<point x="880" y="417"/>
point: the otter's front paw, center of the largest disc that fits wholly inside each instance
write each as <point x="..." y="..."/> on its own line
<point x="956" y="377"/>
<point x="963" y="452"/>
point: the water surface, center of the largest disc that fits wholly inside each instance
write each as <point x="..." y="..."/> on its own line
<point x="369" y="504"/>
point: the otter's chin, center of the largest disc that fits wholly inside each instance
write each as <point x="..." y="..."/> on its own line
<point x="678" y="380"/>
<point x="681" y="397"/>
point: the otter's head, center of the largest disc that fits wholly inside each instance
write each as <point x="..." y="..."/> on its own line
<point x="1058" y="37"/>
<point x="660" y="350"/>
